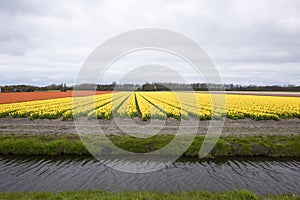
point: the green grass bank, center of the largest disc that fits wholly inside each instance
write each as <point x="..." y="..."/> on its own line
<point x="232" y="195"/>
<point x="70" y="144"/>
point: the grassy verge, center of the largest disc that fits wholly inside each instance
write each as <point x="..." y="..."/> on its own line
<point x="41" y="145"/>
<point x="238" y="195"/>
<point x="272" y="146"/>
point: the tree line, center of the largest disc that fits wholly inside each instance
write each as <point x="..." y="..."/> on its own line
<point x="150" y="87"/>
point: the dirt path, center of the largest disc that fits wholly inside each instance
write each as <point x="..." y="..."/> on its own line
<point x="231" y="127"/>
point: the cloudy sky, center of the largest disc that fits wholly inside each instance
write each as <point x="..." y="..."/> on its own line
<point x="250" y="42"/>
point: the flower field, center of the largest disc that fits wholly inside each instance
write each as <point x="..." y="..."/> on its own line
<point x="13" y="97"/>
<point x="159" y="105"/>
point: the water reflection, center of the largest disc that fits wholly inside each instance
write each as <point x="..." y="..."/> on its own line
<point x="260" y="175"/>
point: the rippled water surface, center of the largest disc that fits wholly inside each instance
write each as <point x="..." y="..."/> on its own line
<point x="260" y="175"/>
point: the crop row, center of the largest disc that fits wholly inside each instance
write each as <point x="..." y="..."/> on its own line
<point x="161" y="105"/>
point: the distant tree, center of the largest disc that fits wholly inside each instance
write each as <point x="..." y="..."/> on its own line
<point x="148" y="87"/>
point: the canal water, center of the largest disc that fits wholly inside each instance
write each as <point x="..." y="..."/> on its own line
<point x="260" y="175"/>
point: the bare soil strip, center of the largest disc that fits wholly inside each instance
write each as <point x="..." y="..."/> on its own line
<point x="241" y="127"/>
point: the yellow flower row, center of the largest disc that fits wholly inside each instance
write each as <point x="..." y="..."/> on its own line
<point x="147" y="109"/>
<point x="158" y="105"/>
<point x="106" y="111"/>
<point x="171" y="107"/>
<point x="237" y="106"/>
<point x="128" y="108"/>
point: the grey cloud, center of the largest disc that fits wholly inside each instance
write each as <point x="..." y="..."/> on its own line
<point x="245" y="39"/>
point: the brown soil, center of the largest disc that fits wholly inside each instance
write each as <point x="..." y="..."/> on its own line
<point x="231" y="127"/>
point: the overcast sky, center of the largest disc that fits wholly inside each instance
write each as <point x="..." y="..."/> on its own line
<point x="250" y="42"/>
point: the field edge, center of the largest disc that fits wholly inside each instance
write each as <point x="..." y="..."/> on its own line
<point x="99" y="194"/>
<point x="226" y="146"/>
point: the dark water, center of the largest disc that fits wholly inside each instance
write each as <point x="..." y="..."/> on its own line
<point x="260" y="175"/>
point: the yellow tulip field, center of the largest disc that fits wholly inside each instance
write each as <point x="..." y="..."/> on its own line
<point x="158" y="105"/>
